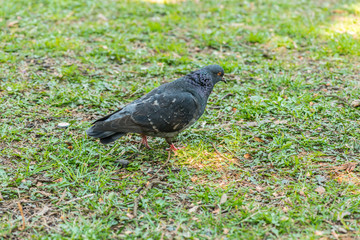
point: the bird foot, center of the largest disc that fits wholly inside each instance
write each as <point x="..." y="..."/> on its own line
<point x="144" y="141"/>
<point x="173" y="148"/>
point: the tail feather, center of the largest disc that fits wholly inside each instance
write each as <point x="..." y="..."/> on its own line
<point x="111" y="138"/>
<point x="105" y="136"/>
<point x="98" y="134"/>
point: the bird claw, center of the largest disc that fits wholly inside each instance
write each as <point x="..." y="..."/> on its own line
<point x="173" y="148"/>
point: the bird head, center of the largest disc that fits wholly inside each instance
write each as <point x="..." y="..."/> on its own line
<point x="217" y="73"/>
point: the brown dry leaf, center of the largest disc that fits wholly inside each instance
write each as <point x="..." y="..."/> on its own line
<point x="355" y="103"/>
<point x="280" y="122"/>
<point x="247" y="156"/>
<point x="334" y="234"/>
<point x="349" y="167"/>
<point x="259" y="189"/>
<point x="319" y="233"/>
<point x="193" y="209"/>
<point x="258" y="139"/>
<point x="226" y="231"/>
<point x="13" y="23"/>
<point x="44" y="210"/>
<point x="302" y="193"/>
<point x="102" y="17"/>
<point x="130" y="216"/>
<point x="311" y="103"/>
<point x="223" y="198"/>
<point x="320" y="190"/>
<point x="250" y="124"/>
<point x="216" y="211"/>
<point x="339" y="179"/>
<point x="339" y="11"/>
<point x="58" y="180"/>
<point x="101" y="200"/>
<point x="195" y="219"/>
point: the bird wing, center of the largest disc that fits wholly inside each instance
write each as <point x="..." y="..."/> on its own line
<point x="159" y="112"/>
<point x="168" y="112"/>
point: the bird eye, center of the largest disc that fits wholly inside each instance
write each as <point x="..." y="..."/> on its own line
<point x="219" y="73"/>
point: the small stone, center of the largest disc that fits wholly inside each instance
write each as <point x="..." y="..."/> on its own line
<point x="122" y="162"/>
<point x="320" y="190"/>
<point x="355" y="103"/>
<point x="63" y="125"/>
<point x="341" y="230"/>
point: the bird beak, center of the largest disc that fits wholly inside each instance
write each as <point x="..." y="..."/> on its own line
<point x="224" y="80"/>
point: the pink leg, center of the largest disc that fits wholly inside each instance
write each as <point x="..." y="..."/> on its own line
<point x="144" y="141"/>
<point x="173" y="148"/>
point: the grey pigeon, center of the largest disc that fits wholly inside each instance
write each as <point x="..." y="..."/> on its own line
<point x="164" y="112"/>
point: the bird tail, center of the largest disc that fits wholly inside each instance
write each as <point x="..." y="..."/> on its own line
<point x="105" y="136"/>
<point x="111" y="138"/>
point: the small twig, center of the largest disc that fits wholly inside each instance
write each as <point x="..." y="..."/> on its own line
<point x="160" y="182"/>
<point x="219" y="153"/>
<point x="79" y="198"/>
<point x="117" y="179"/>
<point x="227" y="95"/>
<point x="232" y="153"/>
<point x="214" y="107"/>
<point x="340" y="99"/>
<point x="62" y="197"/>
<point x="22" y="216"/>
<point x="167" y="161"/>
<point x="44" y="180"/>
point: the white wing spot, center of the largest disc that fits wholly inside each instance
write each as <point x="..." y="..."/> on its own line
<point x="156" y="103"/>
<point x="175" y="127"/>
<point x="174" y="100"/>
<point x="152" y="125"/>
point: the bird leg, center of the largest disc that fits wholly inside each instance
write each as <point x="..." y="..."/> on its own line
<point x="172" y="146"/>
<point x="144" y="141"/>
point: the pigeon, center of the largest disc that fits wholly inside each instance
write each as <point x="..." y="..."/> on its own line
<point x="163" y="112"/>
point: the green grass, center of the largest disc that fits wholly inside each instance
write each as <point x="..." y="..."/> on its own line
<point x="286" y="136"/>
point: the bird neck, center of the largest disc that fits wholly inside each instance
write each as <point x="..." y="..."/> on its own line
<point x="202" y="82"/>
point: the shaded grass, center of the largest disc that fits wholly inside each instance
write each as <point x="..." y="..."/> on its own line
<point x="279" y="132"/>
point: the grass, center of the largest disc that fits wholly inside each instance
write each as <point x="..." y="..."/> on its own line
<point x="275" y="155"/>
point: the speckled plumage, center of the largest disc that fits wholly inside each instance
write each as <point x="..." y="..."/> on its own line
<point x="163" y="112"/>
